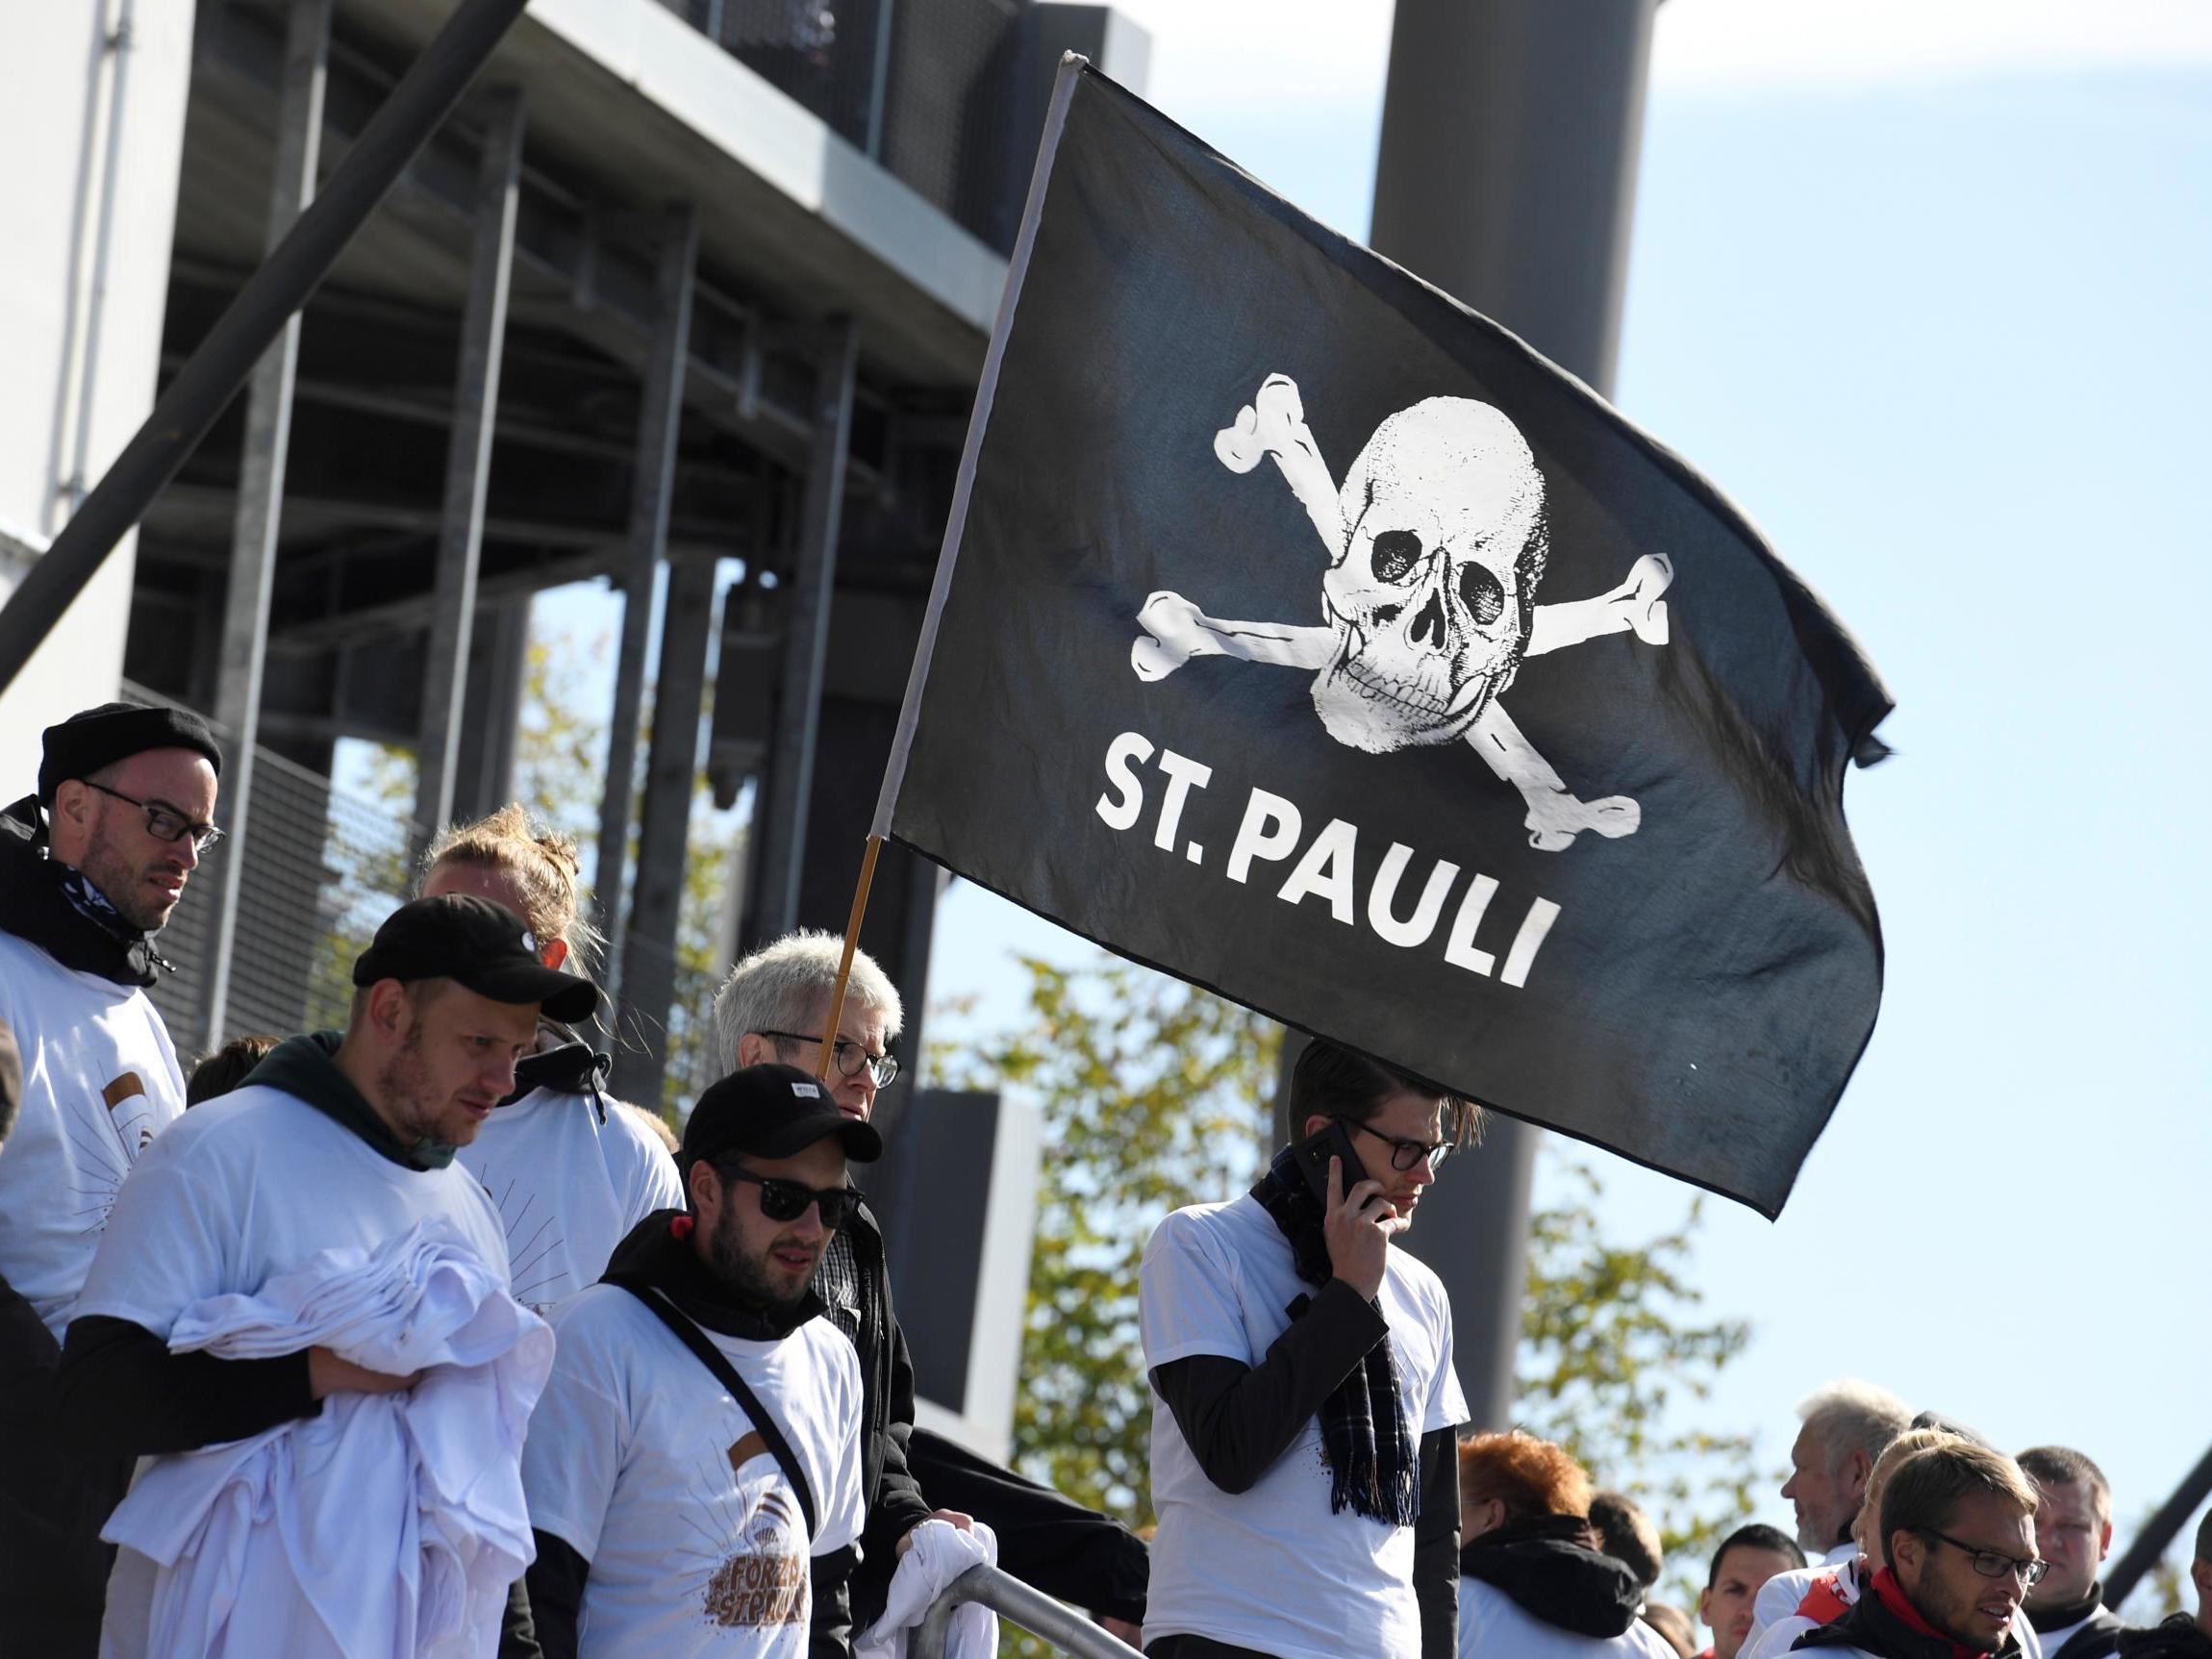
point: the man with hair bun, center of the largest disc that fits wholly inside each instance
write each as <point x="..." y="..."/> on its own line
<point x="1534" y="1579"/>
<point x="92" y="864"/>
<point x="571" y="1169"/>
<point x="1958" y="1528"/>
<point x="2073" y="1533"/>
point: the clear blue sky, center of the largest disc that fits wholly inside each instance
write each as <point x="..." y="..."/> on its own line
<point x="1945" y="334"/>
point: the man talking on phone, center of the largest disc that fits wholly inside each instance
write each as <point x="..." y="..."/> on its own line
<point x="1306" y="1409"/>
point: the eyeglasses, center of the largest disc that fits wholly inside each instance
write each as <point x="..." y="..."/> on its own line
<point x="163" y="822"/>
<point x="1405" y="1154"/>
<point x="788" y="1200"/>
<point x="1994" y="1562"/>
<point x="849" y="1056"/>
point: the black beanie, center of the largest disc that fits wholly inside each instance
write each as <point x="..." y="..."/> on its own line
<point x="84" y="743"/>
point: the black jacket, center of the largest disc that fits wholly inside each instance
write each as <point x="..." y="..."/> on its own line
<point x="2178" y="1637"/>
<point x="1869" y="1624"/>
<point x="1552" y="1568"/>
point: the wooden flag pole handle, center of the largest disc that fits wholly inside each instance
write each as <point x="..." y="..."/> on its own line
<point x="844" y="961"/>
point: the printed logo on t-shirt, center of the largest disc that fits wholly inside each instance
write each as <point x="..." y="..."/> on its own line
<point x="101" y="1168"/>
<point x="761" y="1578"/>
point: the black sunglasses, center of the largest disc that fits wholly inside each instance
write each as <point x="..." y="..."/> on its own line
<point x="164" y="822"/>
<point x="788" y="1200"/>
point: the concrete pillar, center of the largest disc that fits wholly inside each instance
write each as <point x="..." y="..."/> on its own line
<point x="671" y="773"/>
<point x="245" y="626"/>
<point x="781" y="829"/>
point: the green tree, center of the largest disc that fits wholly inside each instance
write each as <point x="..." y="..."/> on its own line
<point x="1150" y="1096"/>
<point x="1154" y="1095"/>
<point x="1612" y="1349"/>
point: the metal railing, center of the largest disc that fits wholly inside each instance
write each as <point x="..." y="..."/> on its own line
<point x="320" y="868"/>
<point x="1018" y="1603"/>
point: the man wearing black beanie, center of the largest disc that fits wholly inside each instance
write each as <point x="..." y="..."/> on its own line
<point x="92" y="866"/>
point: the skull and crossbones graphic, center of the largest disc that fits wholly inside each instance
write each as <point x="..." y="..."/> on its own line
<point x="1437" y="541"/>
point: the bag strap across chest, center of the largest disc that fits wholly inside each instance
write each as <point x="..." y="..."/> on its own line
<point x="688" y="1332"/>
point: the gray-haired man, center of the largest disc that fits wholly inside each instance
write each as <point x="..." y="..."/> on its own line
<point x="1847" y="1424"/>
<point x="772" y="1008"/>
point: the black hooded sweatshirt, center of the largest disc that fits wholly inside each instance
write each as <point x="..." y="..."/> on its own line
<point x="652" y="1254"/>
<point x="1552" y="1568"/>
<point x="2177" y="1637"/>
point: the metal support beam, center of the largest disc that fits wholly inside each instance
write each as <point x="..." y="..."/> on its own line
<point x="469" y="460"/>
<point x="672" y="773"/>
<point x="499" y="665"/>
<point x="244" y="643"/>
<point x="1541" y="106"/>
<point x="205" y="384"/>
<point x="660" y="415"/>
<point x="2158" y="1532"/>
<point x="782" y="828"/>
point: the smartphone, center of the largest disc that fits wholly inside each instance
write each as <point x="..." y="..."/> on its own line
<point x="1335" y="1140"/>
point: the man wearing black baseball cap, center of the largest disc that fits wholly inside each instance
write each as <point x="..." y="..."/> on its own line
<point x="697" y="1445"/>
<point x="92" y="866"/>
<point x="334" y="1143"/>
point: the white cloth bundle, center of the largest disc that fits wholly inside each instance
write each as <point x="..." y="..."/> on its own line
<point x="388" y="1525"/>
<point x="940" y="1553"/>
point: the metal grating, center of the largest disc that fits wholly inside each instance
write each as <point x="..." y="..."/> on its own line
<point x="321" y="868"/>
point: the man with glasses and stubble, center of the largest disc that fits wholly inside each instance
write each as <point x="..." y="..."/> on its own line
<point x="91" y="866"/>
<point x="698" y="1445"/>
<point x="1958" y="1521"/>
<point x="1305" y="1408"/>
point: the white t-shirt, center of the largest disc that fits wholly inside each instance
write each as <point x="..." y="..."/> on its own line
<point x="643" y="1463"/>
<point x="254" y="1184"/>
<point x="100" y="1080"/>
<point x="569" y="1187"/>
<point x="1493" y="1626"/>
<point x="1272" y="1568"/>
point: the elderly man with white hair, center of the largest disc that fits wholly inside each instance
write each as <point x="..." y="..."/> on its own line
<point x="773" y="1007"/>
<point x="1846" y="1425"/>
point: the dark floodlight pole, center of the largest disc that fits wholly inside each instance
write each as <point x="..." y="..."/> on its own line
<point x="1505" y="175"/>
<point x="2150" y="1543"/>
<point x="214" y="373"/>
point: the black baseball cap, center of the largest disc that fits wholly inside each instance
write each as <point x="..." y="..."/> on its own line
<point x="481" y="945"/>
<point x="772" y="1111"/>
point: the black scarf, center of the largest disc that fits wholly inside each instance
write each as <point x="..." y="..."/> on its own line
<point x="1364" y="1439"/>
<point x="2043" y="1621"/>
<point x="658" y="1252"/>
<point x="57" y="909"/>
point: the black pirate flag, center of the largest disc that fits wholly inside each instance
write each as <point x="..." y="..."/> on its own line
<point x="1306" y="635"/>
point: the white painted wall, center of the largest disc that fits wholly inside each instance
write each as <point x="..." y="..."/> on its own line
<point x="75" y="391"/>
